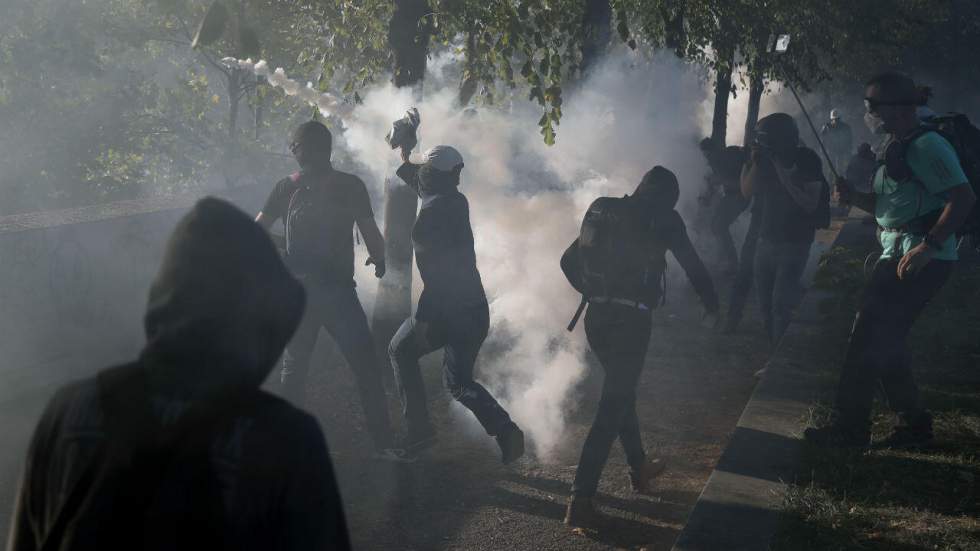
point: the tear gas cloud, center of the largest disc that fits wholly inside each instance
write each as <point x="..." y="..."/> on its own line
<point x="527" y="200"/>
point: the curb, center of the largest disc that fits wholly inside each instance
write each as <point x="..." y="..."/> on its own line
<point x="739" y="507"/>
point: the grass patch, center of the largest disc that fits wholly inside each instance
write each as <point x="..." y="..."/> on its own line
<point x="898" y="500"/>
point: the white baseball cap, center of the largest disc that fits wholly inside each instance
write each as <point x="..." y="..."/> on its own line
<point x="443" y="158"/>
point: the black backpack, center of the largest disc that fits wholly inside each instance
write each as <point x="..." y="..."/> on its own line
<point x="614" y="255"/>
<point x="965" y="139"/>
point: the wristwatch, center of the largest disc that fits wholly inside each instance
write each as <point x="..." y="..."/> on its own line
<point x="933" y="243"/>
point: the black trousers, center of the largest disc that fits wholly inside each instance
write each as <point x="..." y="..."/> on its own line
<point x="877" y="353"/>
<point x="731" y="206"/>
<point x="460" y="334"/>
<point x="619" y="337"/>
<point x="337" y="309"/>
<point x="744" y="277"/>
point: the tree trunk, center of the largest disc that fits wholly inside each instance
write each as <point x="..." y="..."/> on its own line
<point x="408" y="37"/>
<point x="723" y="91"/>
<point x="234" y="96"/>
<point x="467" y="87"/>
<point x="756" y="88"/>
<point x="597" y="31"/>
<point x="674" y="34"/>
<point x="259" y="108"/>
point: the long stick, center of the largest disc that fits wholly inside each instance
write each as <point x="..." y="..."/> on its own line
<point x="814" y="129"/>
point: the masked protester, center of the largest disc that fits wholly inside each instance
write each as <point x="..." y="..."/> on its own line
<point x="452" y="312"/>
<point x="726" y="167"/>
<point x="919" y="197"/>
<point x="838" y="138"/>
<point x="319" y="206"/>
<point x="172" y="451"/>
<point x="793" y="198"/>
<point x="618" y="264"/>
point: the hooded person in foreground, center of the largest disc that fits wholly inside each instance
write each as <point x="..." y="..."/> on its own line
<point x="452" y="312"/>
<point x="618" y="264"/>
<point x="180" y="449"/>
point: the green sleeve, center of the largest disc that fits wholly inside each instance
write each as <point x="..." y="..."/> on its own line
<point x="934" y="162"/>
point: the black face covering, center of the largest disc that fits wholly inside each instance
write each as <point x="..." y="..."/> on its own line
<point x="434" y="182"/>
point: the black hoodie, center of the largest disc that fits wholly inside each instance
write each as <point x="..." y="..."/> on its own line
<point x="220" y="313"/>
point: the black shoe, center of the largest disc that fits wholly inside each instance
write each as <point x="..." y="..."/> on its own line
<point x="833" y="436"/>
<point x="581" y="513"/>
<point x="905" y="438"/>
<point x="511" y="442"/>
<point x="417" y="442"/>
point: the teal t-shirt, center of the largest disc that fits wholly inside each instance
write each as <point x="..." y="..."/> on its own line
<point x="935" y="168"/>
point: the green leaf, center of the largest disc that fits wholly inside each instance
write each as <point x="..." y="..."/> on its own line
<point x="212" y="26"/>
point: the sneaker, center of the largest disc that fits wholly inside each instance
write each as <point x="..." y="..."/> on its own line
<point x="511" y="442"/>
<point x="832" y="436"/>
<point x="581" y="513"/>
<point x="642" y="480"/>
<point x="904" y="438"/>
<point x="417" y="442"/>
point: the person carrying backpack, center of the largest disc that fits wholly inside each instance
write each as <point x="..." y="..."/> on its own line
<point x="180" y="449"/>
<point x="786" y="179"/>
<point x="319" y="206"/>
<point x="618" y="263"/>
<point x="920" y="196"/>
<point x="452" y="312"/>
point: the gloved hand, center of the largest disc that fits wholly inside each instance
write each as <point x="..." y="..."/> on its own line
<point x="379" y="267"/>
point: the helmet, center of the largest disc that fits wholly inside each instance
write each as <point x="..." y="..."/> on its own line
<point x="443" y="158"/>
<point x="834" y="114"/>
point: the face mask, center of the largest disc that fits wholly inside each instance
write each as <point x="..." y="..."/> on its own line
<point x="874" y="123"/>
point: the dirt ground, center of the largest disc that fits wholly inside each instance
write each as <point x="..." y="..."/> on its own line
<point x="459" y="495"/>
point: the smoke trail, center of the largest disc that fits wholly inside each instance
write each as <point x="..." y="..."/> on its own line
<point x="527" y="200"/>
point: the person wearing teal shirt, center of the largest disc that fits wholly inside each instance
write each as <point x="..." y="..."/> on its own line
<point x="919" y="197"/>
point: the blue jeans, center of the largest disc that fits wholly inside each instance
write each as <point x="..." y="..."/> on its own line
<point x="778" y="269"/>
<point x="461" y="334"/>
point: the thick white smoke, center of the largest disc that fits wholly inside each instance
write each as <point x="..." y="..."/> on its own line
<point x="527" y="200"/>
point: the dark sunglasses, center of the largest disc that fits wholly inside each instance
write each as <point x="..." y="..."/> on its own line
<point x="872" y="104"/>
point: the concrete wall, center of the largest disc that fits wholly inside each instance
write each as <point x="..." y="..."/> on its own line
<point x="73" y="284"/>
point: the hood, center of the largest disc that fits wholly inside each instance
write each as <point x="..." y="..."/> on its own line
<point x="222" y="307"/>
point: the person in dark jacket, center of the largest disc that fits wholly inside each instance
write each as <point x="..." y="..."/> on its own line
<point x="319" y="207"/>
<point x="726" y="168"/>
<point x="452" y="312"/>
<point x="786" y="179"/>
<point x="618" y="330"/>
<point x="172" y="451"/>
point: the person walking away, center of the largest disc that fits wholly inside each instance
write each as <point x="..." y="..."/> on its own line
<point x="319" y="206"/>
<point x="726" y="168"/>
<point x="618" y="264"/>
<point x="452" y="313"/>
<point x="919" y="198"/>
<point x="172" y="450"/>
